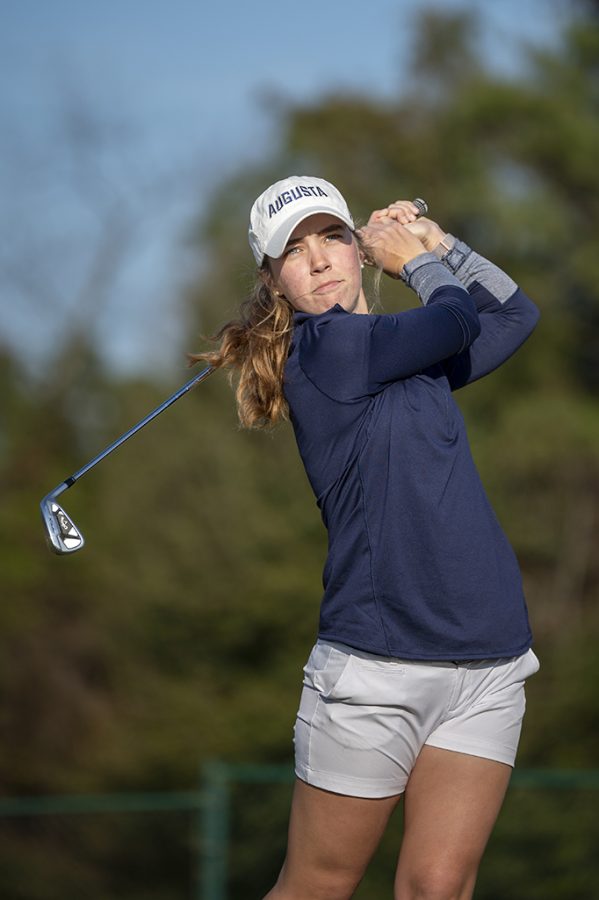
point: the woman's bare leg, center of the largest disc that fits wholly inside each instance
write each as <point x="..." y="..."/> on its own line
<point x="451" y="803"/>
<point x="331" y="841"/>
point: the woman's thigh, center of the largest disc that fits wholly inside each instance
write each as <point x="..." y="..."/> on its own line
<point x="451" y="803"/>
<point x="332" y="837"/>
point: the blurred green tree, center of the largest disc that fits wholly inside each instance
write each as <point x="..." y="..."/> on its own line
<point x="179" y="633"/>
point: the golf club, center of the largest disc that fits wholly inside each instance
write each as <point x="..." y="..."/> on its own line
<point x="62" y="534"/>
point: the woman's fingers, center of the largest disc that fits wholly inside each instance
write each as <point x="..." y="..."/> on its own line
<point x="402" y="211"/>
<point x="404" y="208"/>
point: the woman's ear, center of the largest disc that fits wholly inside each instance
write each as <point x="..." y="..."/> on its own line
<point x="266" y="276"/>
<point x="361" y="250"/>
<point x="365" y="258"/>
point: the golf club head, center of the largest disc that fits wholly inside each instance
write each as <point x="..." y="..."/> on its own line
<point x="62" y="534"/>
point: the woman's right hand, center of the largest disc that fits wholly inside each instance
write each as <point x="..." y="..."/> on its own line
<point x="390" y="244"/>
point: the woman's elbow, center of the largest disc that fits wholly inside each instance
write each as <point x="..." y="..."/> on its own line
<point x="530" y="315"/>
<point x="473" y="329"/>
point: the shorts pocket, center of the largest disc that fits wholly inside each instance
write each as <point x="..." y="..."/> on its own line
<point x="530" y="664"/>
<point x="361" y="679"/>
<point x="503" y="678"/>
<point x="325" y="669"/>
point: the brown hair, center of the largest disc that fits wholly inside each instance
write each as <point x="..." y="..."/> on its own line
<point x="254" y="346"/>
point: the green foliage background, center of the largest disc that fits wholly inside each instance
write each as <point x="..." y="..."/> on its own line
<point x="179" y="634"/>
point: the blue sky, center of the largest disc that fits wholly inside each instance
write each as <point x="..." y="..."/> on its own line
<point x="167" y="97"/>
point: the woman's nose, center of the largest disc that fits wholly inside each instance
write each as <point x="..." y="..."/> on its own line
<point x="319" y="259"/>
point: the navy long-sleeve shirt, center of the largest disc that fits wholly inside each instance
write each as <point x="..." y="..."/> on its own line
<point x="418" y="566"/>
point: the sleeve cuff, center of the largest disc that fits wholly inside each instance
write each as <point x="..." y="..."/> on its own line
<point x="425" y="273"/>
<point x="457" y="255"/>
<point x="470" y="267"/>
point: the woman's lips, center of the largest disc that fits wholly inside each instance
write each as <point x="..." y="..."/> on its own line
<point x="326" y="287"/>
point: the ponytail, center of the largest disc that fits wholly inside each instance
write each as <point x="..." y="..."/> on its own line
<point x="254" y="347"/>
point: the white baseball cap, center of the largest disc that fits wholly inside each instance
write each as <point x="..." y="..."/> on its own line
<point x="284" y="205"/>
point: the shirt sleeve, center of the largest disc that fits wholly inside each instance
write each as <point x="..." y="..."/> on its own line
<point x="503" y="329"/>
<point x="506" y="315"/>
<point x="352" y="356"/>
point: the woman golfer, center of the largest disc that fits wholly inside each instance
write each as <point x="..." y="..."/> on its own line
<point x="416" y="684"/>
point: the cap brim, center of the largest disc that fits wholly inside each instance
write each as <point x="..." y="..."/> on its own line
<point x="278" y="240"/>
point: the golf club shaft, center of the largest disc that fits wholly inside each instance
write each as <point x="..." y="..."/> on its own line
<point x="68" y="482"/>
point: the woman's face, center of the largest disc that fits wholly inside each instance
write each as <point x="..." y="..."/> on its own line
<point x="321" y="266"/>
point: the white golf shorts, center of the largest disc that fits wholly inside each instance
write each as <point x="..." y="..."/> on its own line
<point x="363" y="718"/>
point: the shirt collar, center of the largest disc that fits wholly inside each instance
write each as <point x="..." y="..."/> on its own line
<point x="300" y="316"/>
